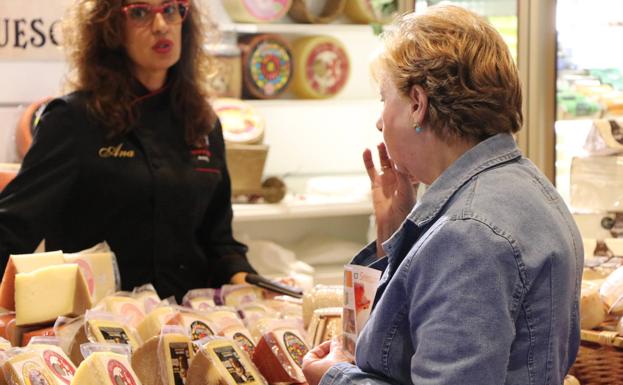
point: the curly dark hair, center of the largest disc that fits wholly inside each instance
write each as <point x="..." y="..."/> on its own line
<point x="93" y="37"/>
<point x="463" y="65"/>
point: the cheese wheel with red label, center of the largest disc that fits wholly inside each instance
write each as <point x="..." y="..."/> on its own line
<point x="256" y="11"/>
<point x="105" y="368"/>
<point x="322" y="67"/>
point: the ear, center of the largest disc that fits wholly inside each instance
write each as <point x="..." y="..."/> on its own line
<point x="419" y="103"/>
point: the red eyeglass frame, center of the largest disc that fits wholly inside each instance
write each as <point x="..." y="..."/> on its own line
<point x="155" y="9"/>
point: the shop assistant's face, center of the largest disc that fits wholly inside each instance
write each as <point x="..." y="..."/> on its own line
<point x="153" y="42"/>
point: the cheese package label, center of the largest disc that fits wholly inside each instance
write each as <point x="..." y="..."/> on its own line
<point x="222" y="362"/>
<point x="279" y="355"/>
<point x="28" y="369"/>
<point x="196" y="325"/>
<point x="163" y="360"/>
<point x="50" y="292"/>
<point x="102" y="331"/>
<point x="58" y="363"/>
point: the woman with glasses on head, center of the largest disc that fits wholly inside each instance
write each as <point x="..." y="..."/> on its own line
<point x="134" y="156"/>
<point x="481" y="276"/>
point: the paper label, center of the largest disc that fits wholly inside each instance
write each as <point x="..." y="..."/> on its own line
<point x="232" y="362"/>
<point x="180" y="354"/>
<point x="59" y="366"/>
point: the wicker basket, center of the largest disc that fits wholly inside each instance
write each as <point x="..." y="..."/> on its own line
<point x="246" y="166"/>
<point x="600" y="359"/>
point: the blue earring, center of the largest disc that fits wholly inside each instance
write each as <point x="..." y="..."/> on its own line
<point x="417" y="127"/>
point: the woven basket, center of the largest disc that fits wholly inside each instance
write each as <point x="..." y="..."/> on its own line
<point x="245" y="163"/>
<point x="600" y="359"/>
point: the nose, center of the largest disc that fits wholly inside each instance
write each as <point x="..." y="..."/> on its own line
<point x="379" y="124"/>
<point x="159" y="25"/>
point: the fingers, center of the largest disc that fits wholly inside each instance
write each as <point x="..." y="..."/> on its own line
<point x="386" y="163"/>
<point x="369" y="164"/>
<point x="320" y="351"/>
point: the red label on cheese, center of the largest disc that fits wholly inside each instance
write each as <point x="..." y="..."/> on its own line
<point x="198" y="330"/>
<point x="119" y="374"/>
<point x="59" y="366"/>
<point x="33" y="374"/>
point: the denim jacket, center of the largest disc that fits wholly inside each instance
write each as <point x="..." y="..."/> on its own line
<point x="480" y="284"/>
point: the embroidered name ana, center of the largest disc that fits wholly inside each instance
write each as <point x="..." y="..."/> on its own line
<point x="115" y="152"/>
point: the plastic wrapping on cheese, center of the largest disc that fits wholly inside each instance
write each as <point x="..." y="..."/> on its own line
<point x="195" y="324"/>
<point x="100" y="272"/>
<point x="147" y="295"/>
<point x="23" y="263"/>
<point x="125" y="306"/>
<point x="321" y="67"/>
<point x="4" y="344"/>
<point x="105" y="368"/>
<point x="228" y="324"/>
<point x="220" y="361"/>
<point x="28" y="368"/>
<point x="266" y="65"/>
<point x="325" y="324"/>
<point x="46" y="293"/>
<point x="286" y="306"/>
<point x="164" y="359"/>
<point x="611" y="292"/>
<point x="55" y="359"/>
<point x="251" y="312"/>
<point x="240" y="121"/>
<point x="36" y="334"/>
<point x="592" y="309"/>
<point x="236" y="295"/>
<point x="256" y="11"/>
<point x="279" y="353"/>
<point x="158" y="318"/>
<point x="321" y="296"/>
<point x="199" y="299"/>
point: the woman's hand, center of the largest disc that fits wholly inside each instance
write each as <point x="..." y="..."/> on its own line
<point x="393" y="195"/>
<point x="318" y="360"/>
<point x="238" y="278"/>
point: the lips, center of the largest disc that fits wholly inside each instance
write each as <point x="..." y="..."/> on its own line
<point x="163" y="46"/>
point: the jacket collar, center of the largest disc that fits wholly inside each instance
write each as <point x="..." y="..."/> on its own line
<point x="489" y="153"/>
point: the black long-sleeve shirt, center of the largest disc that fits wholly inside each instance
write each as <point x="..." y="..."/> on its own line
<point x="163" y="206"/>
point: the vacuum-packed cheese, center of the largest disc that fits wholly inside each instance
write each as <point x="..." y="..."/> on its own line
<point x="99" y="272"/>
<point x="325" y="324"/>
<point x="102" y="331"/>
<point x="279" y="355"/>
<point x="105" y="368"/>
<point x="57" y="362"/>
<point x="163" y="360"/>
<point x="28" y="368"/>
<point x="50" y="292"/>
<point x="126" y="307"/>
<point x="152" y="324"/>
<point x="222" y="362"/>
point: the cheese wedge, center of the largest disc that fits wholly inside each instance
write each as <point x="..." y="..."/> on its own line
<point x="50" y="292"/>
<point x="279" y="356"/>
<point x="163" y="360"/>
<point x="222" y="362"/>
<point x="154" y="321"/>
<point x="24" y="263"/>
<point x="57" y="362"/>
<point x="105" y="368"/>
<point x="28" y="368"/>
<point x="196" y="325"/>
<point x="325" y="324"/>
<point x="125" y="306"/>
<point x="99" y="272"/>
<point x="102" y="331"/>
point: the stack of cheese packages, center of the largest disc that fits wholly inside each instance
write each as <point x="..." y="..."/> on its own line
<point x="601" y="304"/>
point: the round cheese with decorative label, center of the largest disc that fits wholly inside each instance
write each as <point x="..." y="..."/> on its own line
<point x="256" y="11"/>
<point x="322" y="67"/>
<point x="266" y="65"/>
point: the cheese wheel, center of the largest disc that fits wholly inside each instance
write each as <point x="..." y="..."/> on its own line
<point x="241" y="123"/>
<point x="102" y="331"/>
<point x="322" y="67"/>
<point x="50" y="292"/>
<point x="126" y="307"/>
<point x="266" y="65"/>
<point x="28" y="368"/>
<point x="301" y="12"/>
<point x="105" y="368"/>
<point x="222" y="362"/>
<point x="24" y="263"/>
<point x="279" y="356"/>
<point x="163" y="360"/>
<point x="99" y="272"/>
<point x="256" y="11"/>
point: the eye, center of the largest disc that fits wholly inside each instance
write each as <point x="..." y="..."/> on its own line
<point x="138" y="12"/>
<point x="170" y="9"/>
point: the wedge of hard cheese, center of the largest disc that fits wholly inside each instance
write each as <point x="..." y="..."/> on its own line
<point x="28" y="368"/>
<point x="102" y="331"/>
<point x="279" y="355"/>
<point x="163" y="360"/>
<point x="105" y="368"/>
<point x="125" y="306"/>
<point x="152" y="324"/>
<point x="56" y="361"/>
<point x="222" y="362"/>
<point x="98" y="270"/>
<point x="24" y="263"/>
<point x="49" y="292"/>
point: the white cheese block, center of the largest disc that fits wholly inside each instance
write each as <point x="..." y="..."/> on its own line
<point x="105" y="368"/>
<point x="163" y="360"/>
<point x="50" y="292"/>
<point x="222" y="362"/>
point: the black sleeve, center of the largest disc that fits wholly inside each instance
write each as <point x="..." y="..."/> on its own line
<point x="227" y="255"/>
<point x="29" y="204"/>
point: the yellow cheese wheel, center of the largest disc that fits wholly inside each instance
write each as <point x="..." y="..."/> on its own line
<point x="266" y="65"/>
<point x="321" y="67"/>
<point x="256" y="11"/>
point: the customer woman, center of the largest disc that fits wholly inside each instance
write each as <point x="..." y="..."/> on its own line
<point x="481" y="277"/>
<point x="134" y="156"/>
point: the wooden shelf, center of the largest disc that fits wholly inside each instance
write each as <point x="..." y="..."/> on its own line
<point x="297" y="28"/>
<point x="299" y="209"/>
